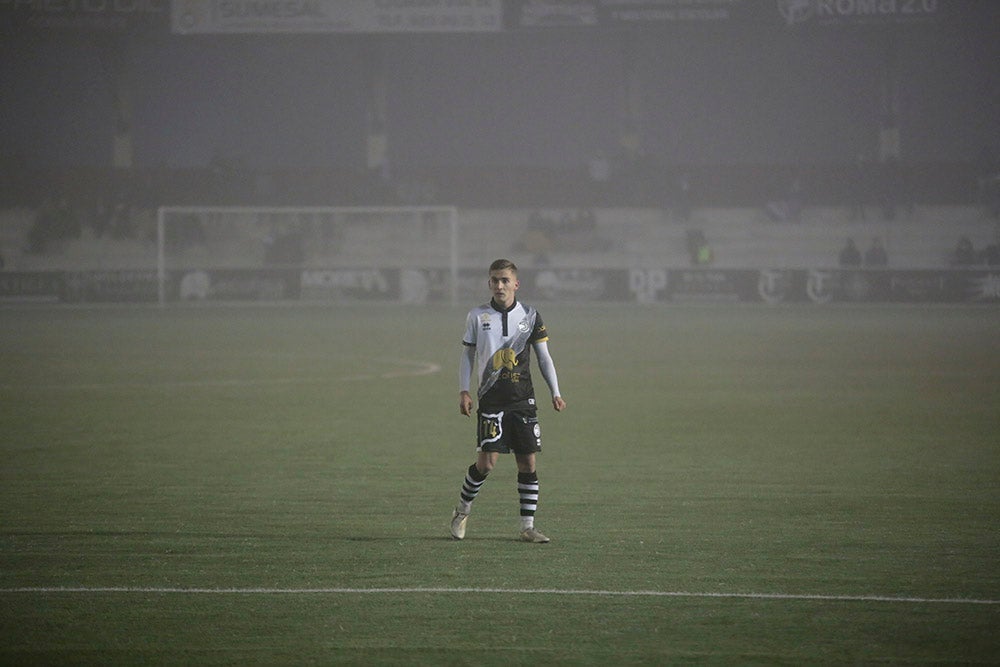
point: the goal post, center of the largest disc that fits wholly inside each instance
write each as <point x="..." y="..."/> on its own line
<point x="303" y="242"/>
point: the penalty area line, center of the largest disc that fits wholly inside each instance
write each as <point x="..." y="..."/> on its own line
<point x="497" y="591"/>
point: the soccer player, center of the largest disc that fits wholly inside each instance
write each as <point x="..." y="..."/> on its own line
<point x="499" y="337"/>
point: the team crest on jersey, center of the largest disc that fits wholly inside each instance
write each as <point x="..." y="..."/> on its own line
<point x="484" y="320"/>
<point x="523" y="326"/>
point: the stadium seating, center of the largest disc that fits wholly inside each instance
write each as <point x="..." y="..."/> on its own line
<point x="740" y="237"/>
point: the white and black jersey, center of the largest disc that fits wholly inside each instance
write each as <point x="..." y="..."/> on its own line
<point x="503" y="339"/>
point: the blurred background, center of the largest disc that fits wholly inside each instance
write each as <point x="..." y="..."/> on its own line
<point x="707" y="113"/>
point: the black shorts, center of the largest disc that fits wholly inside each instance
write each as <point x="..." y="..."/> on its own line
<point x="509" y="430"/>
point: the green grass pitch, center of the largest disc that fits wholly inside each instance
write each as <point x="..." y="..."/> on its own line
<point x="272" y="485"/>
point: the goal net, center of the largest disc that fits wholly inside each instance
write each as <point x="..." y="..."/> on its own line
<point x="407" y="253"/>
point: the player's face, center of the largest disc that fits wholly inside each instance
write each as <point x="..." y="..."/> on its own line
<point x="503" y="285"/>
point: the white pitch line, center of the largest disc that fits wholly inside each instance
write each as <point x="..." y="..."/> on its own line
<point x="500" y="591"/>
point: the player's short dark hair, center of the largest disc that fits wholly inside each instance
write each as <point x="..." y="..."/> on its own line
<point x="501" y="264"/>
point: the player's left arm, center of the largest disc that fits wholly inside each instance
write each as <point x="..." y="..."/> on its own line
<point x="548" y="368"/>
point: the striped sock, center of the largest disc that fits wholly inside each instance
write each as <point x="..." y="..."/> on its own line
<point x="470" y="488"/>
<point x="527" y="489"/>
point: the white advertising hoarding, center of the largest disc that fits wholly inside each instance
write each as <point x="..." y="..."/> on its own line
<point x="331" y="16"/>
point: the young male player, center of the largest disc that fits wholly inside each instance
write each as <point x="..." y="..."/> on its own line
<point x="499" y="337"/>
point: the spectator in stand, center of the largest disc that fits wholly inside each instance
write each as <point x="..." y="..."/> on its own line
<point x="964" y="254"/>
<point x="699" y="250"/>
<point x="850" y="256"/>
<point x="876" y="254"/>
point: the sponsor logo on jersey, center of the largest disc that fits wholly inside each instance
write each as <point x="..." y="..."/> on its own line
<point x="504" y="358"/>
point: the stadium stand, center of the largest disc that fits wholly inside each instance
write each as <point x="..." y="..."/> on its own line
<point x="740" y="237"/>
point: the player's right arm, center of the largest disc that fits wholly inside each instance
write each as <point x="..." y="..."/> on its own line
<point x="465" y="364"/>
<point x="465" y="403"/>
